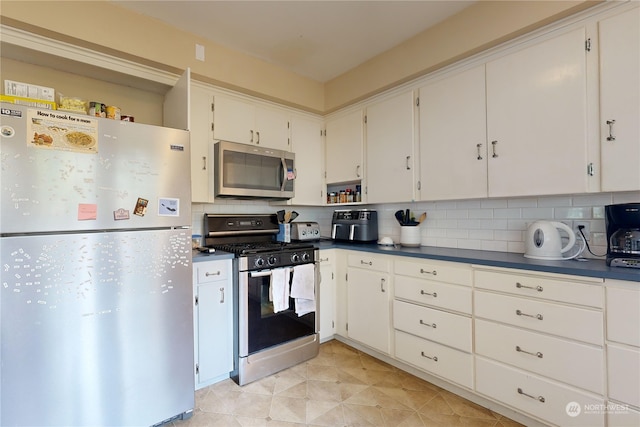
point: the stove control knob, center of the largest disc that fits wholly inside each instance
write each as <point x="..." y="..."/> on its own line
<point x="272" y="260"/>
<point x="259" y="262"/>
<point x="295" y="258"/>
<point x="306" y="257"/>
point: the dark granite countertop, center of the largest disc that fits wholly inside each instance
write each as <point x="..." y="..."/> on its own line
<point x="590" y="268"/>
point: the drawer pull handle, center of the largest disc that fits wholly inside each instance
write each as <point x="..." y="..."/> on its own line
<point x="538" y="354"/>
<point x="221" y="295"/>
<point x="324" y="259"/>
<point x="539" y="398"/>
<point x="423" y="271"/>
<point x="535" y="316"/>
<point x="382" y="286"/>
<point x="217" y="273"/>
<point x="423" y="292"/>
<point x="521" y="286"/>
<point x="431" y="325"/>
<point x="366" y="263"/>
<point x="434" y="358"/>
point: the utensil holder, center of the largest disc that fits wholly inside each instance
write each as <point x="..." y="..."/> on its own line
<point x="410" y="236"/>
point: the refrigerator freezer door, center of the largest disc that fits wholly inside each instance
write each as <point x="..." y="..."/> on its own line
<point x="97" y="328"/>
<point x="125" y="176"/>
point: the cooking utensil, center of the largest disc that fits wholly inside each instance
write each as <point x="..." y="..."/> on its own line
<point x="399" y="217"/>
<point x="422" y="217"/>
<point x="280" y="215"/>
<point x="294" y="215"/>
<point x="287" y="217"/>
<point x="407" y="217"/>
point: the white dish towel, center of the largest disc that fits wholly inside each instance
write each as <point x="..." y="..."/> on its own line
<point x="303" y="288"/>
<point x="279" y="289"/>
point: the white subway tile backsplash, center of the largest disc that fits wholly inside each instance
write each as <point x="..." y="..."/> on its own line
<point x="522" y="203"/>
<point x="480" y="224"/>
<point x="507" y="213"/>
<point x="554" y="201"/>
<point x="572" y="213"/>
<point x="537" y="213"/>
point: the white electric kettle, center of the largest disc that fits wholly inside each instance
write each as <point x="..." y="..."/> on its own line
<point x="543" y="240"/>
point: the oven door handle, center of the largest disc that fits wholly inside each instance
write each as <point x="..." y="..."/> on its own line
<point x="260" y="273"/>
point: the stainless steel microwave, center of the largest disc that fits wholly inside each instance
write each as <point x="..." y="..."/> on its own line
<point x="249" y="171"/>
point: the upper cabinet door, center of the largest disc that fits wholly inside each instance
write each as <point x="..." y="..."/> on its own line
<point x="233" y="120"/>
<point x="201" y="118"/>
<point x="536" y="119"/>
<point x="175" y="108"/>
<point x="620" y="101"/>
<point x="453" y="133"/>
<point x="390" y="150"/>
<point x="240" y="120"/>
<point x="306" y="142"/>
<point x="344" y="141"/>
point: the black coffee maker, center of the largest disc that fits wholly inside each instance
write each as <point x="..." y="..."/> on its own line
<point x="623" y="235"/>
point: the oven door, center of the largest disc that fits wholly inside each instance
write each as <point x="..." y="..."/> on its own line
<point x="259" y="327"/>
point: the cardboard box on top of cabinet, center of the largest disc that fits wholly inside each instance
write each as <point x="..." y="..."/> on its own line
<point x="27" y="90"/>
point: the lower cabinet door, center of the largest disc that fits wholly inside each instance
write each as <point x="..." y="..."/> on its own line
<point x="621" y="415"/>
<point x="215" y="339"/>
<point x="623" y="369"/>
<point x="437" y="359"/>
<point x="538" y="396"/>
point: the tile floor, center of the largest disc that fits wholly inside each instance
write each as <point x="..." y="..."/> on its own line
<point x="340" y="387"/>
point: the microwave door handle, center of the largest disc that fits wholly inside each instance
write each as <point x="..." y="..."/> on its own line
<point x="333" y="231"/>
<point x="284" y="173"/>
<point x="352" y="231"/>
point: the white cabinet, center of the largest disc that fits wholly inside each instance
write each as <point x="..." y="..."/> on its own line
<point x="623" y="341"/>
<point x="307" y="144"/>
<point x="201" y="120"/>
<point x="344" y="147"/>
<point x="327" y="294"/>
<point x="390" y="150"/>
<point x="213" y="322"/>
<point x="453" y="135"/>
<point x="368" y="300"/>
<point x="432" y="317"/>
<point x="536" y="119"/>
<point x="619" y="38"/>
<point x="240" y="120"/>
<point x="539" y="343"/>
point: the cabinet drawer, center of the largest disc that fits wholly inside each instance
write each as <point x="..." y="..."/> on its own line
<point x="212" y="271"/>
<point x="577" y="364"/>
<point x="623" y="368"/>
<point x="327" y="257"/>
<point x="536" y="396"/>
<point x="570" y="322"/>
<point x="458" y="274"/>
<point x="369" y="262"/>
<point x="548" y="288"/>
<point x="429" y="292"/>
<point x="435" y="325"/>
<point x="453" y="365"/>
<point x="623" y="315"/>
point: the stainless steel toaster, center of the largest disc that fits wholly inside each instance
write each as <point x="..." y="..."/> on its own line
<point x="305" y="231"/>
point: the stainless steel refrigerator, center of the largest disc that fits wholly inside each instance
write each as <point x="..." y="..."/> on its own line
<point x="95" y="286"/>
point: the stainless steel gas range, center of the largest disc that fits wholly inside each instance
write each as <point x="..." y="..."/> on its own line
<point x="276" y="290"/>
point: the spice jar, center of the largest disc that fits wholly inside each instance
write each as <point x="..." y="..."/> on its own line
<point x="333" y="198"/>
<point x="343" y="196"/>
<point x="349" y="196"/>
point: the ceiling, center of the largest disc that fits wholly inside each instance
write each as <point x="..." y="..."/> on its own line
<point x="316" y="39"/>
